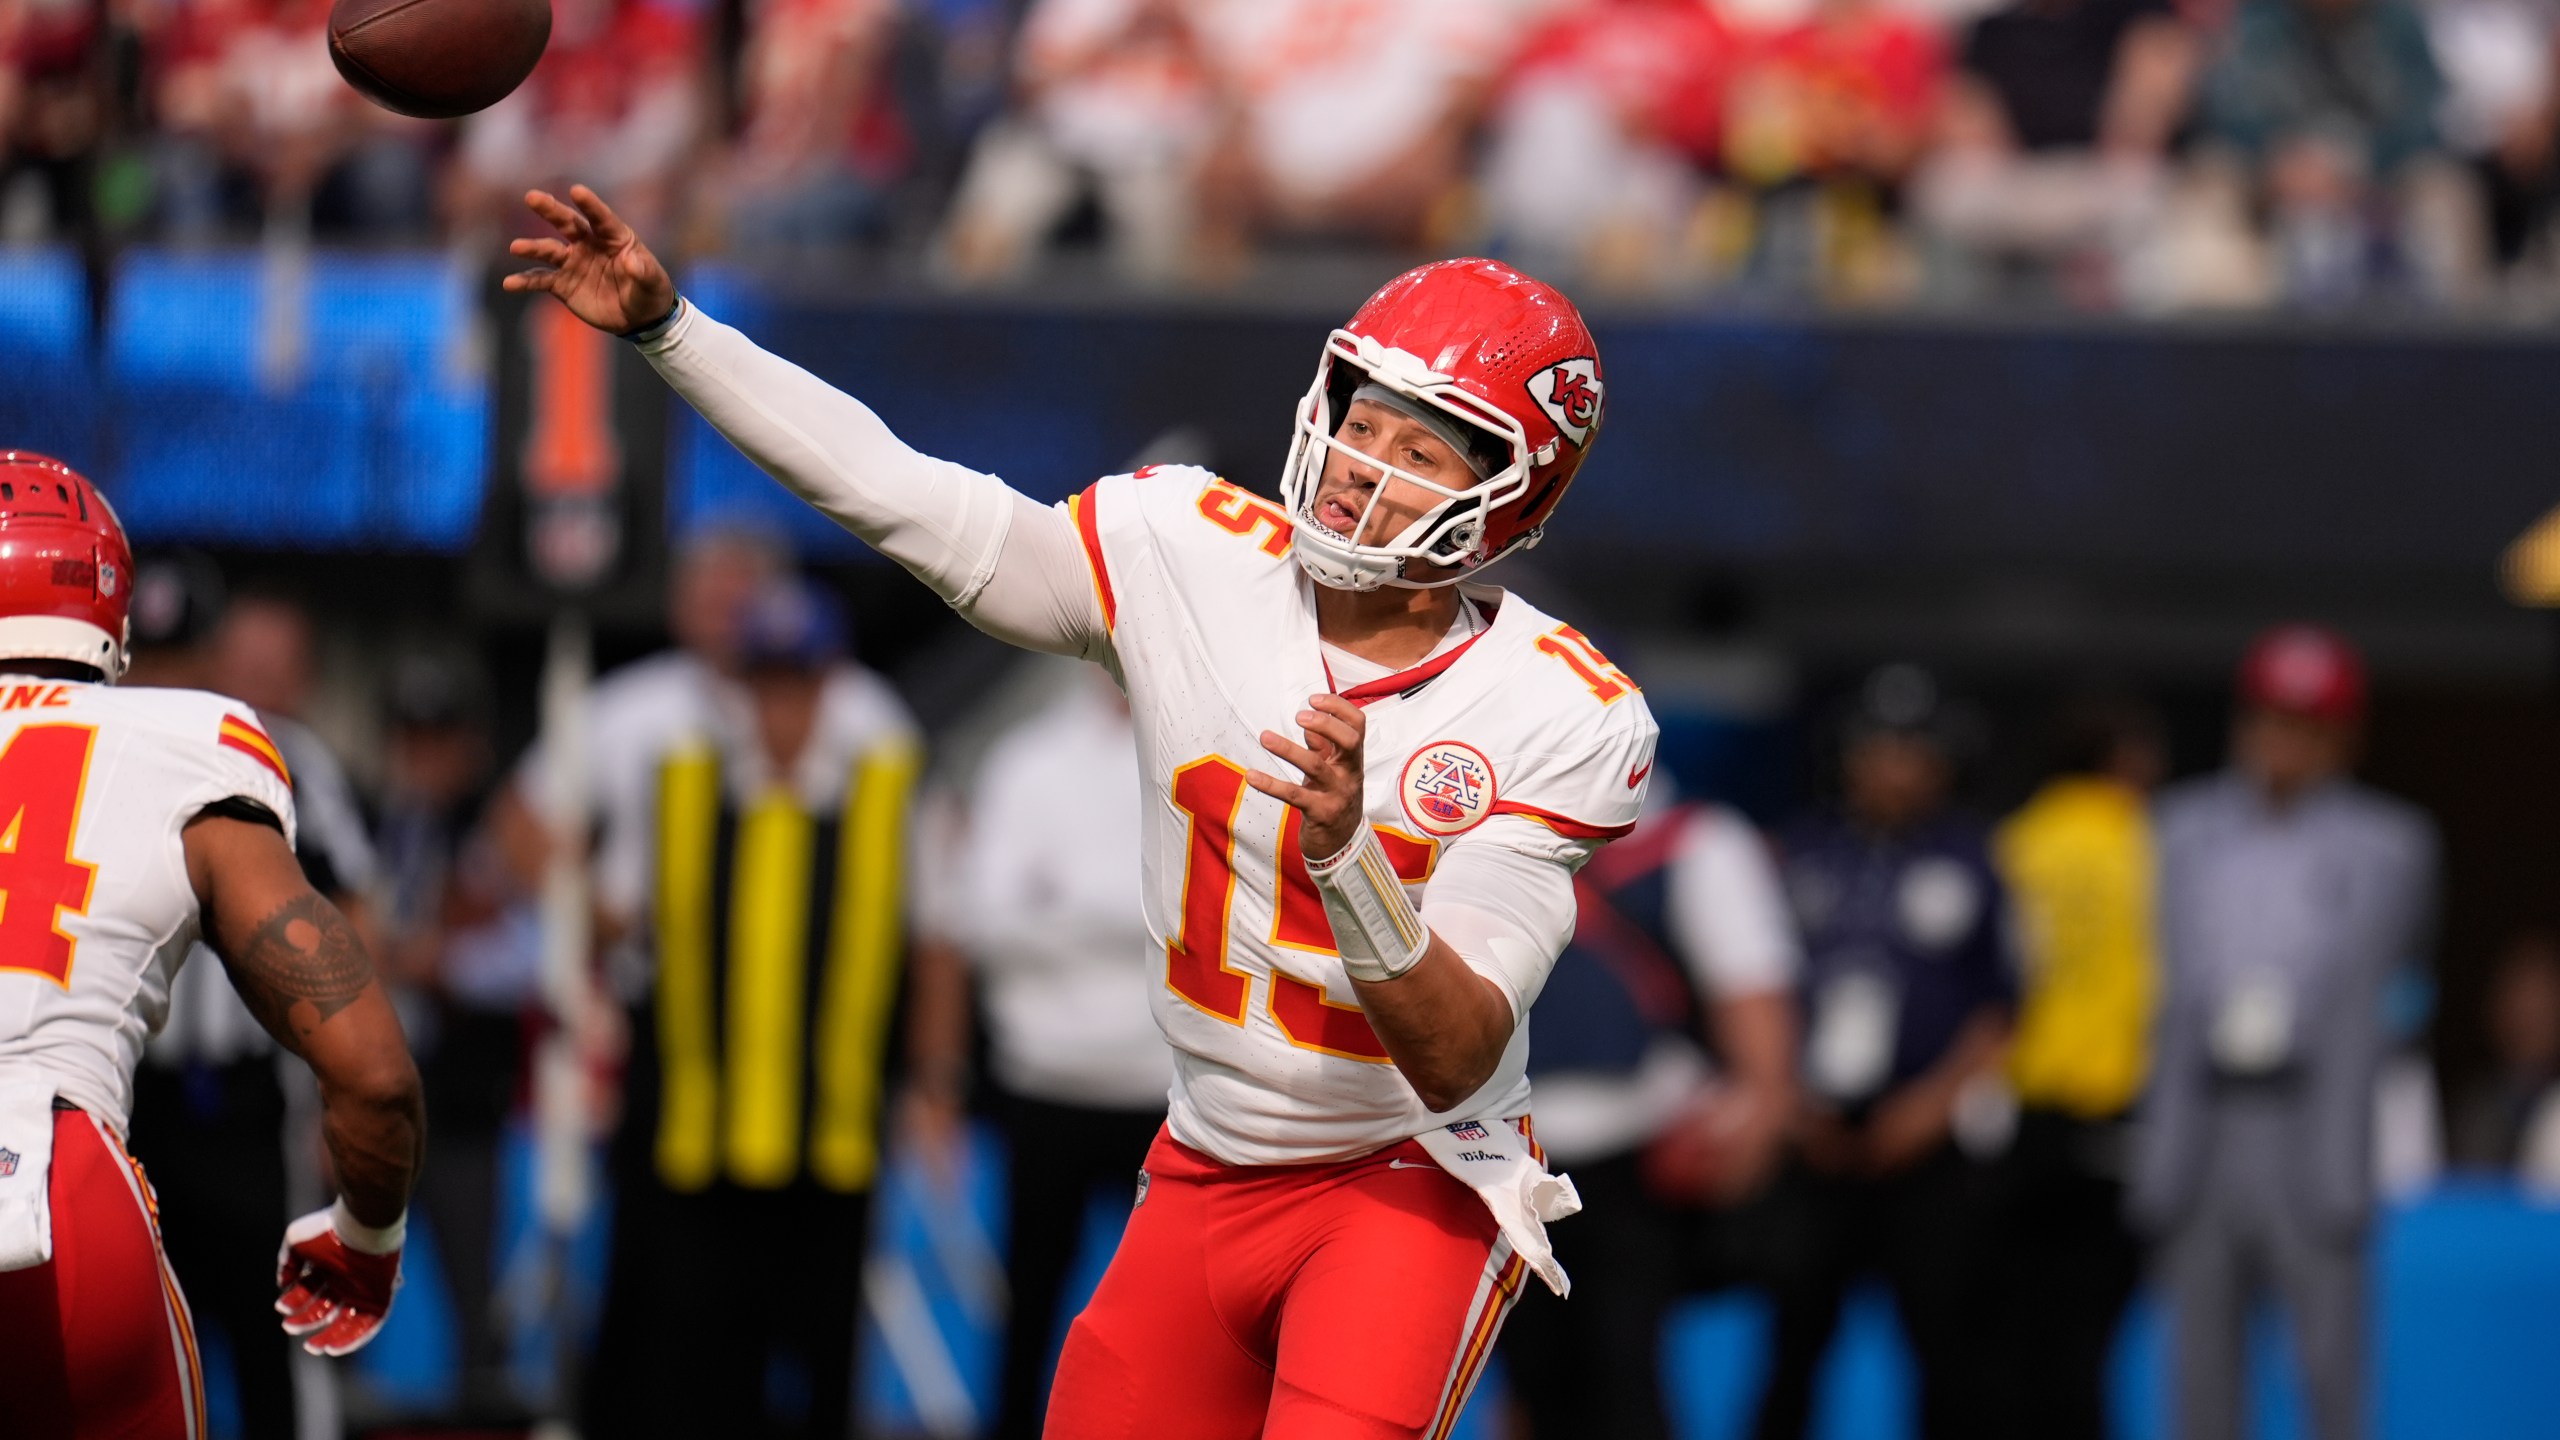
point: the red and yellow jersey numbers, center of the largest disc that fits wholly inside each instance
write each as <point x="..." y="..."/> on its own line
<point x="43" y="773"/>
<point x="1209" y="792"/>
<point x="1608" y="683"/>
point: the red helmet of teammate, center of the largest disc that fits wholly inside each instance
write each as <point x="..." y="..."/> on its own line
<point x="66" y="573"/>
<point x="1499" y="364"/>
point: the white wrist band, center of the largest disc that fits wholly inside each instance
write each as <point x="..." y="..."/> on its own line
<point x="368" y="1239"/>
<point x="1375" y="928"/>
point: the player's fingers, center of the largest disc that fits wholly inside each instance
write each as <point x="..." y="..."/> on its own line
<point x="311" y="1317"/>
<point x="571" y="225"/>
<point x="524" y="280"/>
<point x="1343" y="710"/>
<point x="345" y="1335"/>
<point x="608" y="226"/>
<point x="540" y="247"/>
<point x="1280" y="790"/>
<point x="1306" y="760"/>
<point x="1342" y="733"/>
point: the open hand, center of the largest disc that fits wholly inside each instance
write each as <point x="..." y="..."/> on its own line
<point x="1330" y="761"/>
<point x="596" y="266"/>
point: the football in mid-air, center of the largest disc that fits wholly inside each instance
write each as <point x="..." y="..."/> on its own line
<point x="437" y="58"/>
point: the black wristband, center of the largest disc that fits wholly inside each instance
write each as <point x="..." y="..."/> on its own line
<point x="655" y="328"/>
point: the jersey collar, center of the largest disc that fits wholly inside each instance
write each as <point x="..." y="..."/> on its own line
<point x="1408" y="680"/>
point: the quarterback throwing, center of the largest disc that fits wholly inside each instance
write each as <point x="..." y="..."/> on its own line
<point x="1369" y="781"/>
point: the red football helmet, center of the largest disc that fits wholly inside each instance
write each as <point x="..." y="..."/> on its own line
<point x="66" y="572"/>
<point x="1505" y="356"/>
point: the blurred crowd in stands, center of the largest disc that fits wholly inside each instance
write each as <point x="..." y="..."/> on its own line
<point x="2146" y="155"/>
<point x="2005" y="1069"/>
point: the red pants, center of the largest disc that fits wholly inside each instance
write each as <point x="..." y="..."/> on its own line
<point x="1355" y="1301"/>
<point x="95" y="1344"/>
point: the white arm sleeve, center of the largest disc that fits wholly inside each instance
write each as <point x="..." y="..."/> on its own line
<point x="1011" y="566"/>
<point x="1727" y="910"/>
<point x="1506" y="913"/>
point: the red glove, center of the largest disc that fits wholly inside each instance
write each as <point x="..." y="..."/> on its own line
<point x="338" y="1275"/>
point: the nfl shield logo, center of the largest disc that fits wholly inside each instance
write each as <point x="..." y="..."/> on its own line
<point x="1469" y="1130"/>
<point x="8" y="1163"/>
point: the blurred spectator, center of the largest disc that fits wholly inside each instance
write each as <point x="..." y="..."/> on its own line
<point x="821" y="142"/>
<point x="2077" y="859"/>
<point x="638" y="713"/>
<point x="459" y="931"/>
<point x="2499" y="113"/>
<point x="1825" y="120"/>
<point x="1601" y="138"/>
<point x="1040" y="902"/>
<point x="52" y="114"/>
<point x="2333" y="106"/>
<point x="229" y="1129"/>
<point x="258" y="129"/>
<point x="177" y="601"/>
<point x="2054" y="139"/>
<point x="2288" y="895"/>
<point x="1908" y="991"/>
<point x="765" y="870"/>
<point x="2508" y="1120"/>
<point x="1112" y="101"/>
<point x="1683" y="951"/>
<point x="1346" y="118"/>
<point x="616" y="103"/>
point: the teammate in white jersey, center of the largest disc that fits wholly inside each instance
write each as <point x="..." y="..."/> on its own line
<point x="1367" y="785"/>
<point x="133" y="822"/>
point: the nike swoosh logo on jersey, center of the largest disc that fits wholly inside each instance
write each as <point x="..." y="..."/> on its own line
<point x="1409" y="1165"/>
<point x="1636" y="776"/>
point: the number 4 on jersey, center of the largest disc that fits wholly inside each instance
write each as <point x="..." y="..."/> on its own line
<point x="41" y="777"/>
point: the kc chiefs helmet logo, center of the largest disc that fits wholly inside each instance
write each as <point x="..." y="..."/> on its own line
<point x="1570" y="392"/>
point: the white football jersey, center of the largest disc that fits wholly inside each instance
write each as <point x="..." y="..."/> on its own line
<point x="1526" y="739"/>
<point x="96" y="910"/>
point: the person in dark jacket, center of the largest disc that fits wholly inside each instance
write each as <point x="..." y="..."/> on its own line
<point x="1908" y="990"/>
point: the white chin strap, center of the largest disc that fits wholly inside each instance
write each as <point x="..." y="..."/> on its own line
<point x="55" y="637"/>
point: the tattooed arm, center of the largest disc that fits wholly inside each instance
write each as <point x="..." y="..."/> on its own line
<point x="300" y="966"/>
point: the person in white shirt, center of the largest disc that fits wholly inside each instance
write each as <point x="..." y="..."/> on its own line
<point x="1042" y="909"/>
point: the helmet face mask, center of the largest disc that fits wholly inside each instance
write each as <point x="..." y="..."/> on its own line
<point x="1493" y="337"/>
<point x="1443" y="542"/>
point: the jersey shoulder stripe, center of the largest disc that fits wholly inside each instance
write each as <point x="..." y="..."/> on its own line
<point x="1087" y="512"/>
<point x="251" y="741"/>
<point x="1564" y="825"/>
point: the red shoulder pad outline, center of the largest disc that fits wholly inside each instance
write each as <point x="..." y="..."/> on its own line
<point x="1563" y="825"/>
<point x="1089" y="530"/>
<point x="249" y="740"/>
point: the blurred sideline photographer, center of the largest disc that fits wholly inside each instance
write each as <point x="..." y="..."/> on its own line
<point x="460" y="931"/>
<point x="1908" y="992"/>
<point x="1040" y="906"/>
<point x="2078" y="861"/>
<point x="766" y="876"/>
<point x="1665" y="1070"/>
<point x="2289" y="894"/>
<point x="227" y="1126"/>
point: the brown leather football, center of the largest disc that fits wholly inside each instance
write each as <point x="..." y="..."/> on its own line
<point x="437" y="58"/>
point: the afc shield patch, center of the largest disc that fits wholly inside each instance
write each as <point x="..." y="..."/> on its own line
<point x="1447" y="787"/>
<point x="1571" y="393"/>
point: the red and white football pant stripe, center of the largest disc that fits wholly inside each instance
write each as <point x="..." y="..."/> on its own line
<point x="1351" y="1301"/>
<point x="95" y="1344"/>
